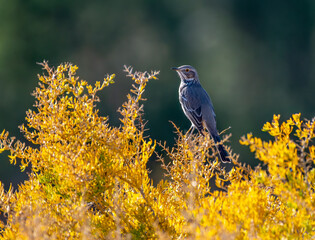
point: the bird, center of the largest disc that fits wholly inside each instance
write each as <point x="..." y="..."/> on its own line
<point x="198" y="107"/>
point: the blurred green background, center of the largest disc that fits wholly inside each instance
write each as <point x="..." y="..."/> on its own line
<point x="255" y="58"/>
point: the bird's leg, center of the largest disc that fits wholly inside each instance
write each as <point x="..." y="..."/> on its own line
<point x="190" y="130"/>
<point x="202" y="132"/>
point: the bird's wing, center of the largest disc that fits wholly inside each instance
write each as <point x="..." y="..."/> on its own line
<point x="192" y="106"/>
<point x="198" y="107"/>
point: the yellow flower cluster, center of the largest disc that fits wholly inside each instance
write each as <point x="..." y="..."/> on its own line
<point x="89" y="180"/>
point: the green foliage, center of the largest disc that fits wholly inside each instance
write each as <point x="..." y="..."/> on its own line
<point x="90" y="180"/>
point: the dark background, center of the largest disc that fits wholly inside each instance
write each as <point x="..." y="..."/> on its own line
<point x="255" y="58"/>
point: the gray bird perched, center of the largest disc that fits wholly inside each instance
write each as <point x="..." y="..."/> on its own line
<point x="198" y="107"/>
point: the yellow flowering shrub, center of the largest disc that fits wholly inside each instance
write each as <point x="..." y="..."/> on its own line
<point x="89" y="180"/>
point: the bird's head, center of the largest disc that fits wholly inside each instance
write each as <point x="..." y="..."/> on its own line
<point x="187" y="73"/>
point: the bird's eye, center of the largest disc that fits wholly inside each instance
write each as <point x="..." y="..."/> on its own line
<point x="187" y="70"/>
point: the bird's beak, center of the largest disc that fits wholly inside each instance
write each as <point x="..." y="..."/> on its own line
<point x="175" y="68"/>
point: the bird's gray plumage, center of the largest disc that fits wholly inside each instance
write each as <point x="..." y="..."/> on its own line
<point x="197" y="105"/>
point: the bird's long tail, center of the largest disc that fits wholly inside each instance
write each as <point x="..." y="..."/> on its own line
<point x="224" y="156"/>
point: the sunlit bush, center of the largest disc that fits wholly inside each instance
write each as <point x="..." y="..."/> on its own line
<point x="89" y="180"/>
